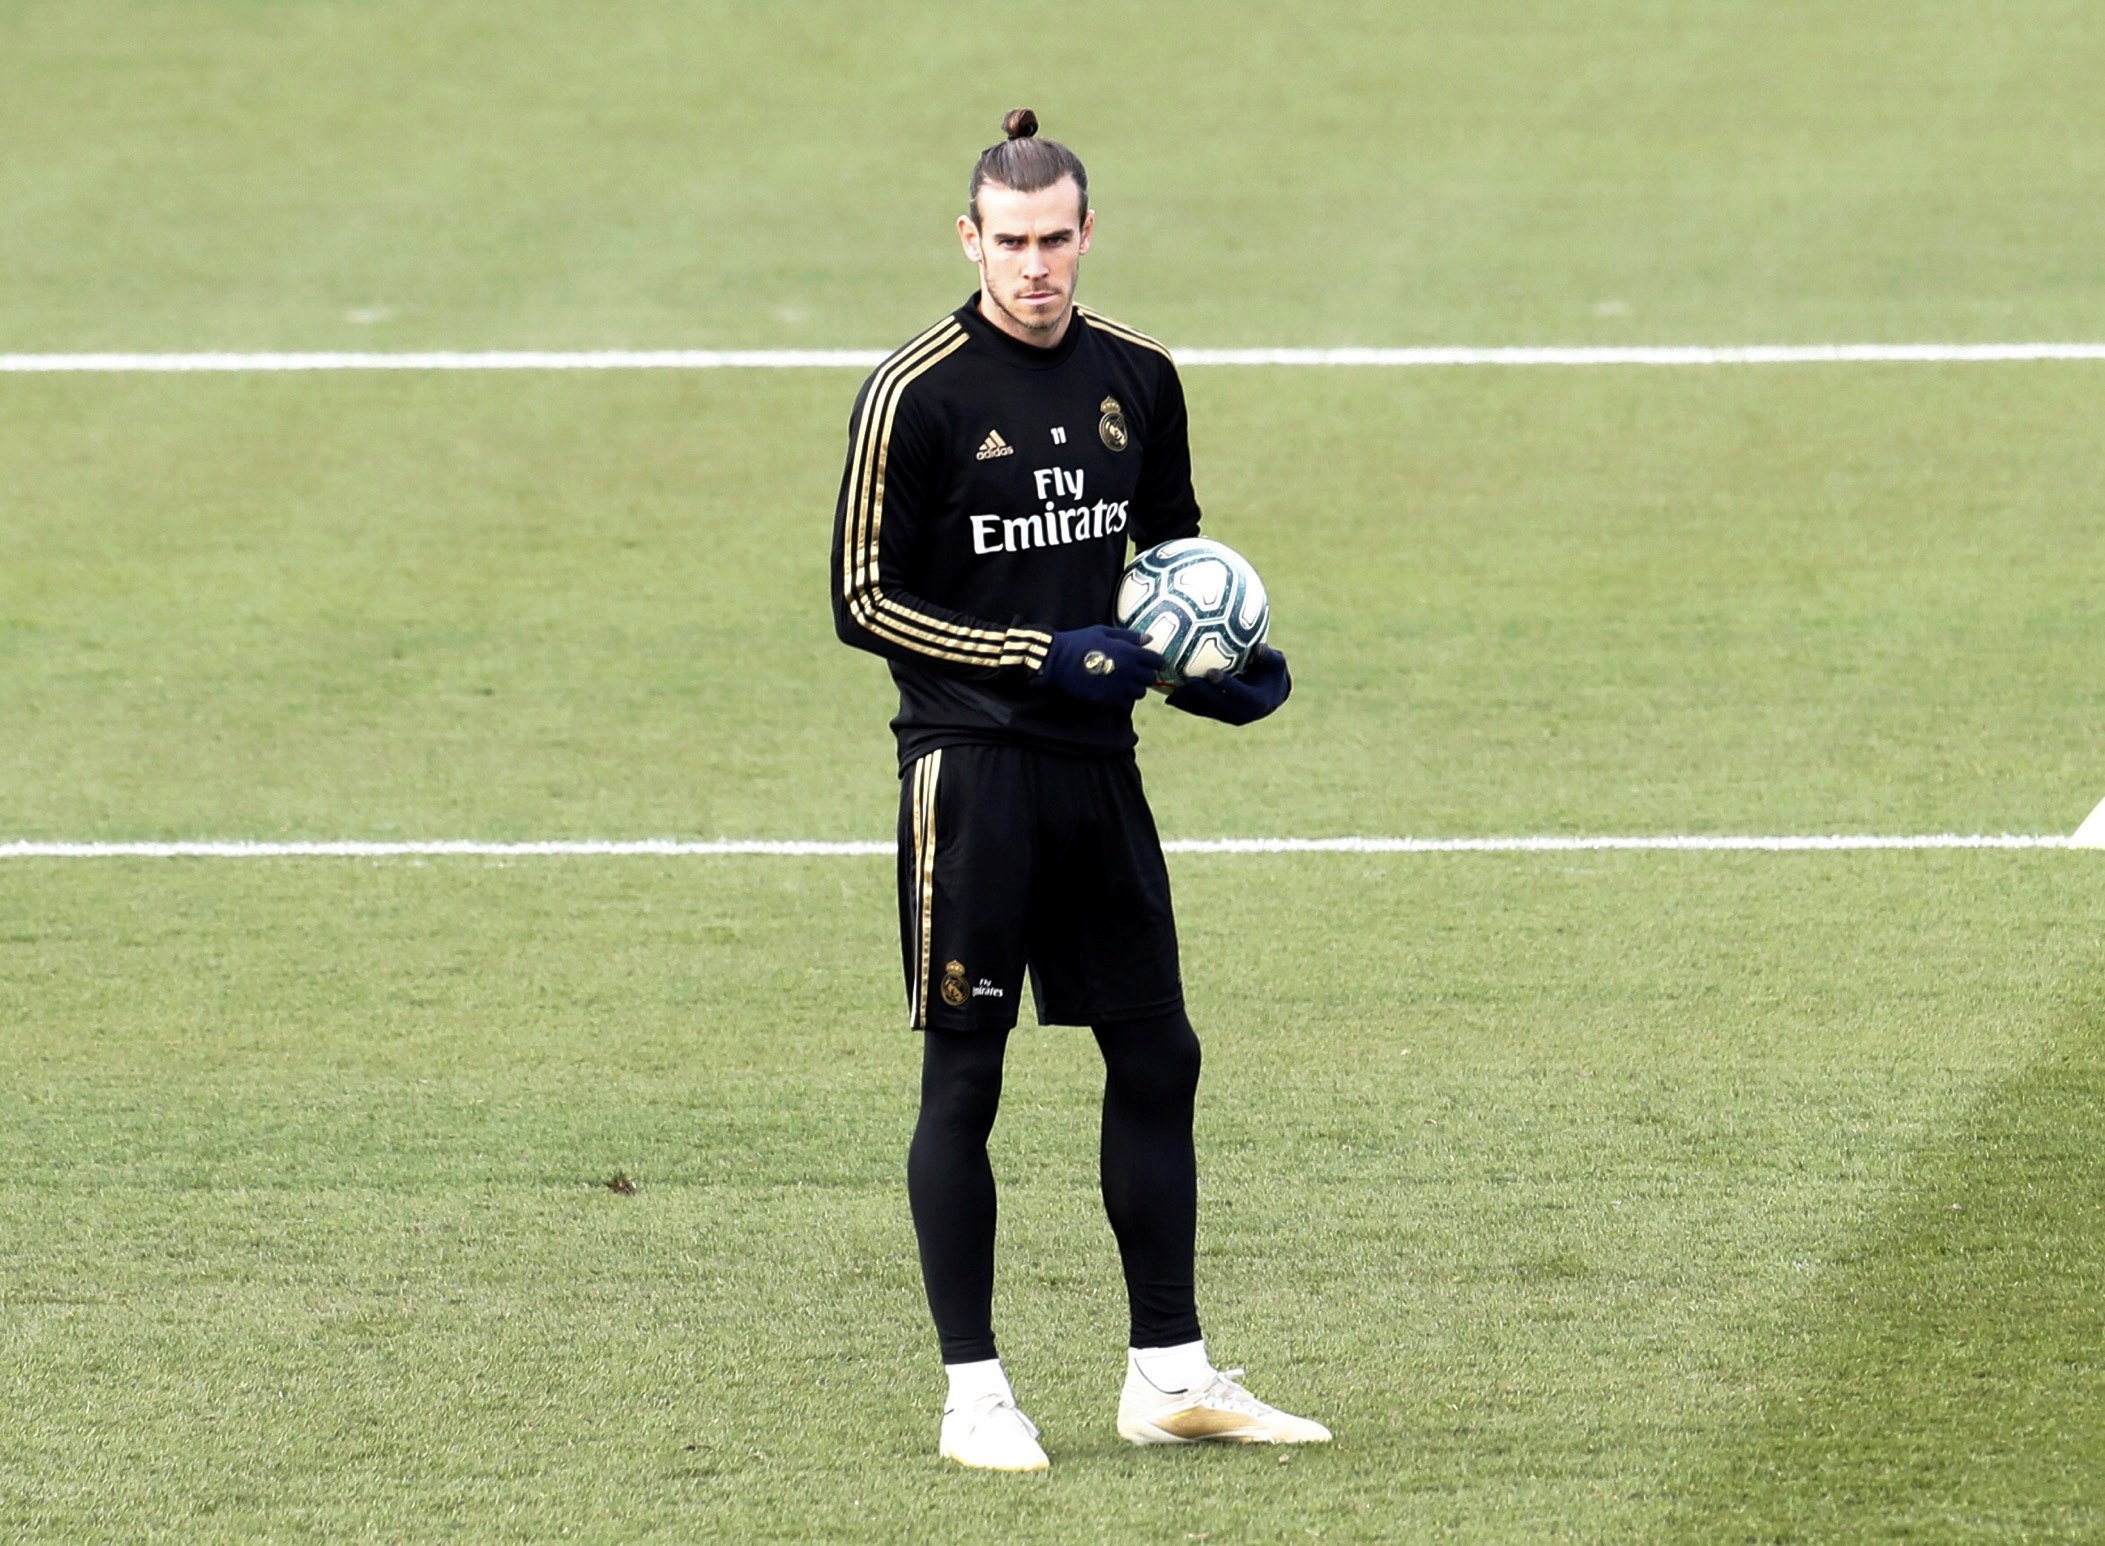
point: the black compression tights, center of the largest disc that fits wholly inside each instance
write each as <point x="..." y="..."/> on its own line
<point x="1150" y="1178"/>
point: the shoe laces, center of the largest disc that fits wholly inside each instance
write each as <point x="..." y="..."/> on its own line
<point x="989" y="1408"/>
<point x="1224" y="1393"/>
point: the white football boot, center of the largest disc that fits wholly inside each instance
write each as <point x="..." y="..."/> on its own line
<point x="1218" y="1412"/>
<point x="992" y="1434"/>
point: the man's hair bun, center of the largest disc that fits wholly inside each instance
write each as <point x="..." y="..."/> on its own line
<point x="1025" y="163"/>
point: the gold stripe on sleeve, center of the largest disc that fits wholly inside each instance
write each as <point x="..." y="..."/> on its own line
<point x="863" y="451"/>
<point x="906" y="626"/>
<point x="1120" y="330"/>
<point x="866" y="600"/>
<point x="1020" y="647"/>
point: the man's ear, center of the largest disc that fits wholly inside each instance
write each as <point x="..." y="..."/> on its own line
<point x="1088" y="230"/>
<point x="968" y="238"/>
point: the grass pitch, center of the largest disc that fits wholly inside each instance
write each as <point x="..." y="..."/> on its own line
<point x="1660" y="1197"/>
<point x="1714" y="1197"/>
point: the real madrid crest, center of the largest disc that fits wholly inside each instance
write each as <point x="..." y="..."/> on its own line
<point x="953" y="989"/>
<point x="1111" y="428"/>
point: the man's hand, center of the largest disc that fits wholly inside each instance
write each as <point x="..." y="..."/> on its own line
<point x="1100" y="664"/>
<point x="1238" y="700"/>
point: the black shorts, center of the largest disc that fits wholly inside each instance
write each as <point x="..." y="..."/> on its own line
<point x="1010" y="858"/>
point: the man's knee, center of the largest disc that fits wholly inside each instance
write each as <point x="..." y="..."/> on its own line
<point x="961" y="1081"/>
<point x="1155" y="1059"/>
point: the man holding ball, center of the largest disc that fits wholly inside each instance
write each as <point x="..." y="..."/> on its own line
<point x="997" y="467"/>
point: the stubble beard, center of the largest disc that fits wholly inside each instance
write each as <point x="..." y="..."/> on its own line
<point x="1030" y="324"/>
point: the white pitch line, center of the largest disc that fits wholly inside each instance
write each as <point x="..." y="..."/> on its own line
<point x="440" y="849"/>
<point x="676" y="848"/>
<point x="863" y="359"/>
<point x="1553" y="845"/>
<point x="1749" y="354"/>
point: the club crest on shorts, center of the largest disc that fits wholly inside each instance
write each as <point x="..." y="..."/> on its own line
<point x="953" y="987"/>
<point x="1111" y="428"/>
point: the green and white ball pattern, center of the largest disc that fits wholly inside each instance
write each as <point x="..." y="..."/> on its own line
<point x="1199" y="602"/>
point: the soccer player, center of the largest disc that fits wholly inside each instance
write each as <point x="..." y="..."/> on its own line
<point x="998" y="465"/>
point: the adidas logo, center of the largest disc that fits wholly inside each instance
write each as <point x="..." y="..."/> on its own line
<point x="992" y="447"/>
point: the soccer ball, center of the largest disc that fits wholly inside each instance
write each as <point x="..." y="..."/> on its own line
<point x="1200" y="604"/>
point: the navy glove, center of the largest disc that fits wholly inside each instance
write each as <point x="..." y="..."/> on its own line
<point x="1238" y="700"/>
<point x="1100" y="664"/>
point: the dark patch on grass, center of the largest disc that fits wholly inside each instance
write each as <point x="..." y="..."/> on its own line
<point x="1950" y="1380"/>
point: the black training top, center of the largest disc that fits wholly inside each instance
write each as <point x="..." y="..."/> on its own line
<point x="990" y="491"/>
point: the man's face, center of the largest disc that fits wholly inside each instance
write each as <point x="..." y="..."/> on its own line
<point x="1028" y="248"/>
